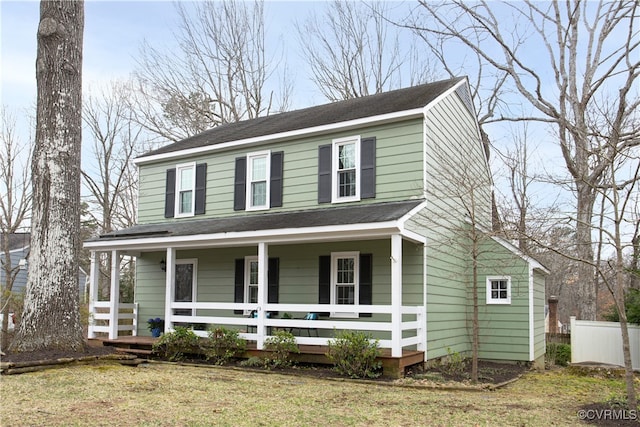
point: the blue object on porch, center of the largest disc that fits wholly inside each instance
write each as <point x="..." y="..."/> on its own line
<point x="155" y="332"/>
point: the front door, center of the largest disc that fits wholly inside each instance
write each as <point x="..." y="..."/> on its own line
<point x="185" y="284"/>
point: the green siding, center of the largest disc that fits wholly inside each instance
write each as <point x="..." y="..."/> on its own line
<point x="538" y="306"/>
<point x="504" y="328"/>
<point x="398" y="172"/>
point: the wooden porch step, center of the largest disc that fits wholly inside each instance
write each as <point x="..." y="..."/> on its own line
<point x="136" y="351"/>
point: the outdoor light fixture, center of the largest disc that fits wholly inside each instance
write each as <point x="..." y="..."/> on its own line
<point x="163" y="265"/>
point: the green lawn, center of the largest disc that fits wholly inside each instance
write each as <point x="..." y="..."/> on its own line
<point x="169" y="395"/>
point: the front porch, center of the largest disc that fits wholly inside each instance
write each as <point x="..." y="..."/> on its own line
<point x="393" y="367"/>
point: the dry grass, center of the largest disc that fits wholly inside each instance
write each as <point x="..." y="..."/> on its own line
<point x="169" y="395"/>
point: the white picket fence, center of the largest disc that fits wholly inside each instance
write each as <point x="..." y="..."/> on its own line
<point x="601" y="342"/>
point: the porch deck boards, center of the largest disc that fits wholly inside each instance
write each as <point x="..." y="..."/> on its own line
<point x="392" y="366"/>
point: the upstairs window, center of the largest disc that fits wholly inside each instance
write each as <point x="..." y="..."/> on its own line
<point x="346" y="170"/>
<point x="185" y="190"/>
<point x="258" y="181"/>
<point x="346" y="165"/>
<point x="498" y="290"/>
<point x="258" y="174"/>
<point x="185" y="185"/>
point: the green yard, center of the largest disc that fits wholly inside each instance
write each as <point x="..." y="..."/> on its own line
<point x="170" y="395"/>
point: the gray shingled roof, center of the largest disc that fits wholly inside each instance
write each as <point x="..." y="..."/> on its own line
<point x="357" y="214"/>
<point x="336" y="112"/>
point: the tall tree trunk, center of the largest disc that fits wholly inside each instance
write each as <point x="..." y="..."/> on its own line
<point x="584" y="249"/>
<point x="51" y="317"/>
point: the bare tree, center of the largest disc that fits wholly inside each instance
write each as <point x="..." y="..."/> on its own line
<point x="219" y="74"/>
<point x="15" y="204"/>
<point x="354" y="51"/>
<point x="116" y="139"/>
<point x="51" y="317"/>
<point x="591" y="50"/>
<point x="109" y="174"/>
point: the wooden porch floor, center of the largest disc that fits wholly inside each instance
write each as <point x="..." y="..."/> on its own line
<point x="392" y="366"/>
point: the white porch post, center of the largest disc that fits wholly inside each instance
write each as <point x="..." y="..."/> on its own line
<point x="396" y="295"/>
<point x="94" y="276"/>
<point x="170" y="278"/>
<point x="115" y="295"/>
<point x="263" y="262"/>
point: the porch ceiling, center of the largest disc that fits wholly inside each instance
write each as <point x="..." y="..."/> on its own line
<point x="335" y="223"/>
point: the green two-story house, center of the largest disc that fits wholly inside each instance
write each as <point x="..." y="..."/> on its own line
<point x="372" y="214"/>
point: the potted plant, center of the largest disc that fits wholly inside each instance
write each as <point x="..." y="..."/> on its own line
<point x="156" y="326"/>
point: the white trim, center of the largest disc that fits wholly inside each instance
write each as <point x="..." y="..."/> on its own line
<point x="249" y="199"/>
<point x="498" y="301"/>
<point x="532" y="340"/>
<point x="185" y="166"/>
<point x="263" y="139"/>
<point x="437" y="99"/>
<point x="335" y="160"/>
<point x="356" y="279"/>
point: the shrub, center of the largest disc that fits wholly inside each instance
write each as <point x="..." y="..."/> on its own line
<point x="354" y="354"/>
<point x="281" y="345"/>
<point x="174" y="346"/>
<point x="454" y="364"/>
<point x="223" y="345"/>
<point x="557" y="354"/>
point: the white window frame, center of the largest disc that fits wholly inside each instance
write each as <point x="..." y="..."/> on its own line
<point x="334" y="282"/>
<point x="180" y="168"/>
<point x="490" y="299"/>
<point x="335" y="182"/>
<point x="249" y="199"/>
<point x="194" y="279"/>
<point x="247" y="279"/>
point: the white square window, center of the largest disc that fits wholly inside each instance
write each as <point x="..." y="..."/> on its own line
<point x="345" y="281"/>
<point x="185" y="189"/>
<point x="345" y="167"/>
<point x="498" y="290"/>
<point x="258" y="172"/>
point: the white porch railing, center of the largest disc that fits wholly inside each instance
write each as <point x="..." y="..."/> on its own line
<point x="102" y="311"/>
<point x="413" y="331"/>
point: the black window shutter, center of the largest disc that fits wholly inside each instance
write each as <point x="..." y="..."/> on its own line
<point x="238" y="289"/>
<point x="273" y="282"/>
<point x="201" y="188"/>
<point x="239" y="185"/>
<point x="366" y="281"/>
<point x="368" y="168"/>
<point x="324" y="282"/>
<point x="324" y="173"/>
<point x="170" y="194"/>
<point x="275" y="191"/>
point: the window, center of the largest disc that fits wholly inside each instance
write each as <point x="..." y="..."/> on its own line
<point x="185" y="188"/>
<point x="498" y="290"/>
<point x="344" y="280"/>
<point x="251" y="280"/>
<point x="258" y="172"/>
<point x="246" y="281"/>
<point x="345" y="170"/>
<point x="258" y="181"/>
